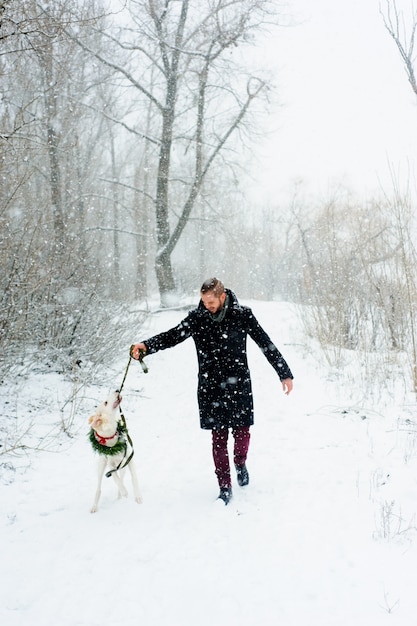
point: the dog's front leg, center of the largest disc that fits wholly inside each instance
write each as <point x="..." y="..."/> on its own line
<point x="100" y="473"/>
<point x="118" y="479"/>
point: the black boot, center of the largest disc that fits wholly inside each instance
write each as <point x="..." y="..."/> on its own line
<point x="242" y="475"/>
<point x="225" y="494"/>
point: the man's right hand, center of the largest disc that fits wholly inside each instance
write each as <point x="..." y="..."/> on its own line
<point x="287" y="385"/>
<point x="136" y="349"/>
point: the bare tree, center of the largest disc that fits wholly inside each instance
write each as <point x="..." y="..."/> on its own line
<point x="182" y="59"/>
<point x="403" y="36"/>
<point x="53" y="153"/>
<point x="345" y="267"/>
<point x="402" y="30"/>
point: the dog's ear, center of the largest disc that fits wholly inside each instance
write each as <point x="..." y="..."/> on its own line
<point x="95" y="419"/>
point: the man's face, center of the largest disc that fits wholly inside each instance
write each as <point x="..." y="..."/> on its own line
<point x="212" y="302"/>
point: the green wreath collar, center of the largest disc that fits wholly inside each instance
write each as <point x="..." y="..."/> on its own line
<point x="98" y="447"/>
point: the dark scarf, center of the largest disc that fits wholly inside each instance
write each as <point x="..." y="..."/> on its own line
<point x="219" y="316"/>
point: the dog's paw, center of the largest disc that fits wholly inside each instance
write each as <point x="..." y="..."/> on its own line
<point x="138" y="500"/>
<point x="93" y="509"/>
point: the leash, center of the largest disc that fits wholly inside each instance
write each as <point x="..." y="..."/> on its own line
<point x="141" y="361"/>
<point x="124" y="463"/>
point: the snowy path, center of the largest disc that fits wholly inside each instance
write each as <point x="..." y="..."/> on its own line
<point x="295" y="548"/>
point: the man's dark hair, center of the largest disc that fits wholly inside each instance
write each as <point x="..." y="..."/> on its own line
<point x="212" y="284"/>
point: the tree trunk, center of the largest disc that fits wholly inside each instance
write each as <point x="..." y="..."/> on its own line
<point x="51" y="97"/>
<point x="115" y="197"/>
<point x="55" y="183"/>
<point x="165" y="278"/>
<point x="163" y="267"/>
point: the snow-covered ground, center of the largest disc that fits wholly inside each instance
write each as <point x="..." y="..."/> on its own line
<point x="325" y="534"/>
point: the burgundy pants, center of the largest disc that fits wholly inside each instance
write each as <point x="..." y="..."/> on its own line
<point x="220" y="454"/>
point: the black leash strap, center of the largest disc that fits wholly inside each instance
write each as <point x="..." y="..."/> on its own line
<point x="126" y="371"/>
<point x="141" y="361"/>
<point x="124" y="463"/>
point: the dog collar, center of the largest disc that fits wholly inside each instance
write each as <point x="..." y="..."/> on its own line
<point x="103" y="440"/>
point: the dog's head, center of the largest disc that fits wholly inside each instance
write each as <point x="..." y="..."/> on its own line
<point x="105" y="418"/>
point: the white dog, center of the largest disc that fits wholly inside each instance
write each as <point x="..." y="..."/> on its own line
<point x="109" y="438"/>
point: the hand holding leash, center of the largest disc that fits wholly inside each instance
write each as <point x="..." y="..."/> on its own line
<point x="137" y="352"/>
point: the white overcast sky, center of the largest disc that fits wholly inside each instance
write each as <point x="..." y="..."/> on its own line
<point x="348" y="113"/>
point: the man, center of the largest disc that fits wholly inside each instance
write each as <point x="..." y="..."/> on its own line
<point x="219" y="327"/>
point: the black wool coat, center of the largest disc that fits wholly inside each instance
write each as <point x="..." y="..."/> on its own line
<point x="224" y="384"/>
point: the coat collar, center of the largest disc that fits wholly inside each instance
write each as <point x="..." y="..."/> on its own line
<point x="232" y="305"/>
